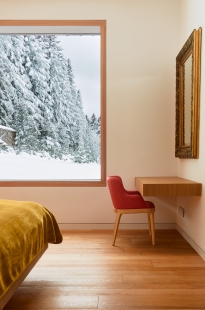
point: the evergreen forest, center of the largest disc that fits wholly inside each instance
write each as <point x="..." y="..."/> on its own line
<point x="39" y="100"/>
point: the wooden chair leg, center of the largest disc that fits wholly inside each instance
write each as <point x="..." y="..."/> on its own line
<point x="152" y="227"/>
<point x="117" y="221"/>
<point x="150" y="231"/>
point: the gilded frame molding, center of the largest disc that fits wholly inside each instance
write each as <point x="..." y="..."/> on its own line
<point x="191" y="47"/>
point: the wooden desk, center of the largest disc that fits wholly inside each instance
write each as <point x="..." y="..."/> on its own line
<point x="167" y="186"/>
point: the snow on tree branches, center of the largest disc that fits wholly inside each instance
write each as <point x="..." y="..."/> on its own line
<point x="39" y="100"/>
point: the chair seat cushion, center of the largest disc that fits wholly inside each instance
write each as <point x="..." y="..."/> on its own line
<point x="149" y="204"/>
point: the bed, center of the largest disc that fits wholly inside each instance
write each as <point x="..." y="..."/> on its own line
<point x="26" y="228"/>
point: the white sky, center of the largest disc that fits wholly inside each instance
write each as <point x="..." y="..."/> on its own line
<point x="84" y="54"/>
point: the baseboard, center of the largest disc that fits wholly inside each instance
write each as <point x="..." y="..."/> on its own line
<point x="191" y="242"/>
<point x="109" y="226"/>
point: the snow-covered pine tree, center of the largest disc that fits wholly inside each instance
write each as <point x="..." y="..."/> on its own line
<point x="87" y="119"/>
<point x="60" y="92"/>
<point x="96" y="147"/>
<point x="78" y="120"/>
<point x="37" y="68"/>
<point x="16" y="86"/>
<point x="82" y="134"/>
<point x="98" y="126"/>
<point x="21" y="125"/>
<point x="80" y="152"/>
<point x="65" y="117"/>
<point x="92" y="145"/>
<point x="8" y="92"/>
<point x="26" y="105"/>
<point x="73" y="110"/>
<point x="71" y="78"/>
<point x="93" y="122"/>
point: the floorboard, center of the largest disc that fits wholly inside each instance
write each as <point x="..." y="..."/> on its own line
<point x="87" y="272"/>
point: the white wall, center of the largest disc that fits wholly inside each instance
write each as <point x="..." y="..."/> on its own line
<point x="193" y="224"/>
<point x="142" y="43"/>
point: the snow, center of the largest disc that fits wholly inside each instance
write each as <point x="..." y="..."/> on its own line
<point x="8" y="128"/>
<point x="40" y="100"/>
<point x="2" y="142"/>
<point x="30" y="167"/>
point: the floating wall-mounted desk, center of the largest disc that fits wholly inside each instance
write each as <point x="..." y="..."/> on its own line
<point x="167" y="186"/>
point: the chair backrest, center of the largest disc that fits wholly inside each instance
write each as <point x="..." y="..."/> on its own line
<point x="117" y="191"/>
<point x="121" y="198"/>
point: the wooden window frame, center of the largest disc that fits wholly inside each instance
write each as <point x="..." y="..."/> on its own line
<point x="83" y="183"/>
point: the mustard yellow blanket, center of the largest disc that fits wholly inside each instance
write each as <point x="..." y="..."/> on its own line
<point x="25" y="227"/>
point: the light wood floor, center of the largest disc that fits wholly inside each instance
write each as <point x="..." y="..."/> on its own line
<point x="87" y="272"/>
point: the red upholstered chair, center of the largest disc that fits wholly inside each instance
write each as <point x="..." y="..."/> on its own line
<point x="127" y="202"/>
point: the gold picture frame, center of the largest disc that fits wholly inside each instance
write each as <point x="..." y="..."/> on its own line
<point x="188" y="67"/>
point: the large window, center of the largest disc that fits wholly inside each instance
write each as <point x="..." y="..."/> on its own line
<point x="52" y="103"/>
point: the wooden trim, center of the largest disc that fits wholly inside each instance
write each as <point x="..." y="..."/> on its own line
<point x="52" y="183"/>
<point x="83" y="183"/>
<point x="20" y="279"/>
<point x="103" y="103"/>
<point x="53" y="23"/>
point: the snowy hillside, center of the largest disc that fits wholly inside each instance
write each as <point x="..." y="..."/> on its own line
<point x="30" y="167"/>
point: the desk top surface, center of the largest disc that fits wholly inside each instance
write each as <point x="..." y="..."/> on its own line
<point x="164" y="180"/>
<point x="167" y="186"/>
